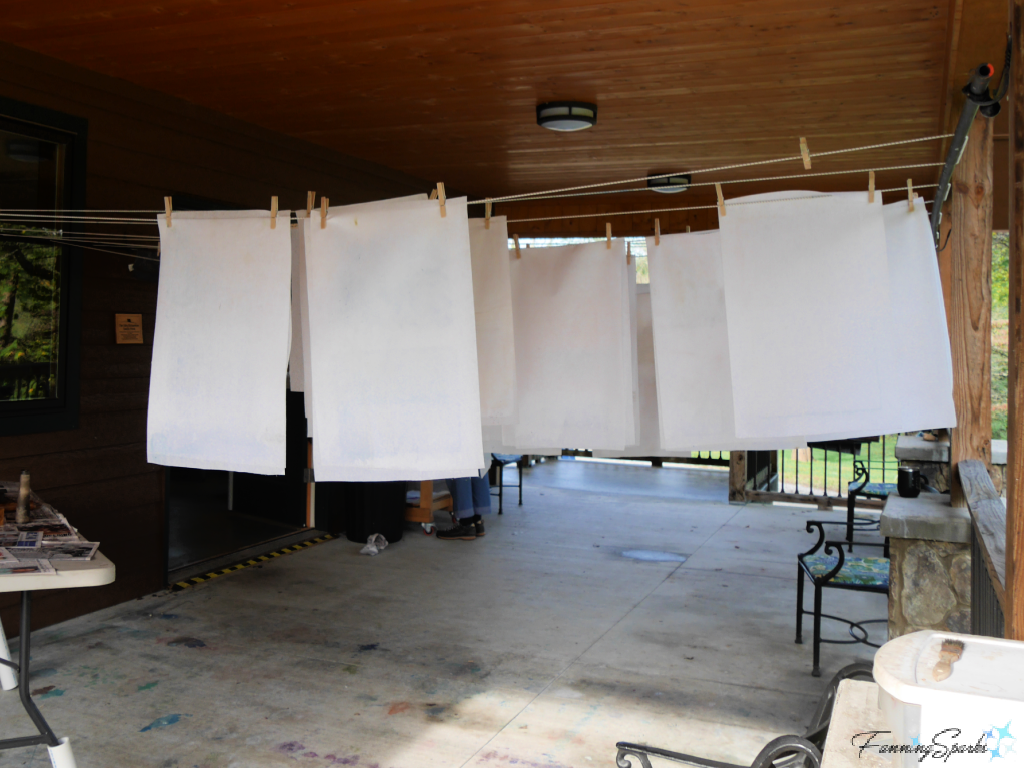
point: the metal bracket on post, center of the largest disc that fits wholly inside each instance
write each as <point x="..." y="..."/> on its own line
<point x="978" y="98"/>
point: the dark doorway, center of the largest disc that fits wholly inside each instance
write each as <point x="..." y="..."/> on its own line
<point x="212" y="514"/>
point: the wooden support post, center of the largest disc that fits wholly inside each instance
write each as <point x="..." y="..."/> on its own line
<point x="971" y="327"/>
<point x="737" y="476"/>
<point x="1014" y="613"/>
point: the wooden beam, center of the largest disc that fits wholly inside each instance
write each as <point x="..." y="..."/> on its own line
<point x="1014" y="601"/>
<point x="971" y="327"/>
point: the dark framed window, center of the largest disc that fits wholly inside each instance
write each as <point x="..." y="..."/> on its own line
<point x="42" y="173"/>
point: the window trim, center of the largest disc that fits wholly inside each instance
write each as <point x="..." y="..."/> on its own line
<point x="35" y="417"/>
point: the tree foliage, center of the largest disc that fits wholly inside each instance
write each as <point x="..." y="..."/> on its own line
<point x="29" y="316"/>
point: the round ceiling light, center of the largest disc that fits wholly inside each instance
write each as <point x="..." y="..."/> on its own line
<point x="679" y="182"/>
<point x="566" y="115"/>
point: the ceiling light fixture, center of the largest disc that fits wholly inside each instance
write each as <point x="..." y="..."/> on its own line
<point x="566" y="115"/>
<point x="668" y="184"/>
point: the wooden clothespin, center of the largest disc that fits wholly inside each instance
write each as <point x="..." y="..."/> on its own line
<point x="167" y="210"/>
<point x="629" y="254"/>
<point x="487" y="214"/>
<point x="687" y="229"/>
<point x="910" y="194"/>
<point x="433" y="194"/>
<point x="515" y="239"/>
<point x="871" y="186"/>
<point x="721" y="199"/>
<point x="324" y="202"/>
<point x="657" y="231"/>
<point x="273" y="212"/>
<point x="440" y="198"/>
<point x="310" y="202"/>
<point x="805" y="153"/>
<point x="608" y="235"/>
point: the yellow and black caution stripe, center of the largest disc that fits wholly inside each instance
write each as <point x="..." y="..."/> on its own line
<point x="193" y="581"/>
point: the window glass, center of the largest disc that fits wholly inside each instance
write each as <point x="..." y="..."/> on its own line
<point x="31" y="179"/>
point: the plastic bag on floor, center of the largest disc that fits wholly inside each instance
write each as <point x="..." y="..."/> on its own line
<point x="374" y="544"/>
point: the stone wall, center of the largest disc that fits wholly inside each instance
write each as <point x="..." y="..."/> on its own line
<point x="929" y="586"/>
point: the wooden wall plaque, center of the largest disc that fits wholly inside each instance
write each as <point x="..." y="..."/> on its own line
<point x="128" y="329"/>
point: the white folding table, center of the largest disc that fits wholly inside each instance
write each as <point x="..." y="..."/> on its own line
<point x="70" y="574"/>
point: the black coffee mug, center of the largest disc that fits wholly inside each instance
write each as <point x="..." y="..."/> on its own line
<point x="909" y="482"/>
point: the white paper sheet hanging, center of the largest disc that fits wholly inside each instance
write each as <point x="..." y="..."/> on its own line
<point x="299" y="256"/>
<point x="691" y="348"/>
<point x="809" y="315"/>
<point x="922" y="366"/>
<point x="649" y="437"/>
<point x="296" y="367"/>
<point x="220" y="349"/>
<point x="302" y="294"/>
<point x="396" y="393"/>
<point x="567" y="303"/>
<point x="495" y="340"/>
<point x="633" y="412"/>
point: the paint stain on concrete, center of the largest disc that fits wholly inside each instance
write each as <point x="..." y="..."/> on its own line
<point x="47" y="691"/>
<point x="435" y="711"/>
<point x="350" y="760"/>
<point x="163" y="722"/>
<point x="167" y="616"/>
<point x="188" y="642"/>
<point x="44" y="672"/>
<point x="654" y="556"/>
<point x="290" y="747"/>
<point x="369" y="647"/>
<point x="399" y="707"/>
<point x="149" y="686"/>
<point x="310" y="754"/>
<point x="351" y="669"/>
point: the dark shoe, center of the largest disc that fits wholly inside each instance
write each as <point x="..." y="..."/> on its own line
<point x="478" y="523"/>
<point x="463" y="530"/>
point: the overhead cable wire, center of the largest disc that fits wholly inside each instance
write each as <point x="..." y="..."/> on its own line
<point x="788" y="158"/>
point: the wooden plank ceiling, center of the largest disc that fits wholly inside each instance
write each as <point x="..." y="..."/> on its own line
<point x="446" y="89"/>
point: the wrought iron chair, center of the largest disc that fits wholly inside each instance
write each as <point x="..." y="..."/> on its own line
<point x="868" y="490"/>
<point x="838" y="571"/>
<point x="498" y="463"/>
<point x="802" y="751"/>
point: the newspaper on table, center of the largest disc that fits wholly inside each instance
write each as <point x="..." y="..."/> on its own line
<point x="24" y="567"/>
<point x="15" y="538"/>
<point x="48" y="527"/>
<point x="60" y="550"/>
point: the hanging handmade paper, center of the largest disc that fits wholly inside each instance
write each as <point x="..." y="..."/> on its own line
<point x="572" y="374"/>
<point x="633" y="410"/>
<point x="921" y="369"/>
<point x="296" y="368"/>
<point x="809" y="316"/>
<point x="220" y="348"/>
<point x="301" y="293"/>
<point x="691" y="348"/>
<point x="396" y="393"/>
<point x="648" y="441"/>
<point x="492" y="298"/>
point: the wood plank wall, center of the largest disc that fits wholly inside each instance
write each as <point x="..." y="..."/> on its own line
<point x="142" y="146"/>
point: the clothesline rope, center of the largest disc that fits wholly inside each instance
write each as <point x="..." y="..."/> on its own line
<point x="748" y="181"/>
<point x="701" y="207"/>
<point x="789" y="158"/>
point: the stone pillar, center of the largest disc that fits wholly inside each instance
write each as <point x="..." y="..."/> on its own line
<point x="929" y="564"/>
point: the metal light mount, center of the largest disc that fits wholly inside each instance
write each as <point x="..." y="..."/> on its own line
<point x="678" y="182"/>
<point x="565" y="116"/>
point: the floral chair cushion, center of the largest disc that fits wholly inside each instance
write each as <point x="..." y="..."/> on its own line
<point x="863" y="571"/>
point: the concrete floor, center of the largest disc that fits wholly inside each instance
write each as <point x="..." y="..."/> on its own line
<point x="539" y="645"/>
